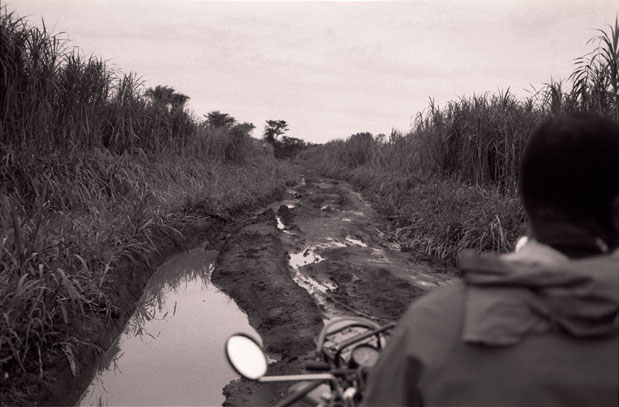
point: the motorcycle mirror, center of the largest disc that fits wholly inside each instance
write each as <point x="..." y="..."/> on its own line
<point x="246" y="356"/>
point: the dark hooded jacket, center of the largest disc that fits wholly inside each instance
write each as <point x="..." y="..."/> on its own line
<point x="532" y="328"/>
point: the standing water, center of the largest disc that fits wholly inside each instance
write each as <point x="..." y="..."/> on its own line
<point x="172" y="349"/>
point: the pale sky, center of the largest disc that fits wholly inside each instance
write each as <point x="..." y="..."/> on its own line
<point x="330" y="69"/>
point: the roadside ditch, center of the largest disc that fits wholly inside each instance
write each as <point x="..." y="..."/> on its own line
<point x="98" y="333"/>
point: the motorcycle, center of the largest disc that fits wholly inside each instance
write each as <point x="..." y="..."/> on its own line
<point x="346" y="350"/>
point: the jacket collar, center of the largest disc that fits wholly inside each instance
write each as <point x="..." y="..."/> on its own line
<point x="536" y="290"/>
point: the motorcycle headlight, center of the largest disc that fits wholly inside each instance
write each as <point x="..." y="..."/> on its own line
<point x="364" y="355"/>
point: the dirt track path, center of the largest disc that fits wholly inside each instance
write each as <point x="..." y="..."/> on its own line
<point x="317" y="254"/>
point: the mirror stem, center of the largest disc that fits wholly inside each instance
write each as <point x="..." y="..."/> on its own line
<point x="298" y="377"/>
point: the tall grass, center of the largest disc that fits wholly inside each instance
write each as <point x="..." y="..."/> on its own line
<point x="53" y="97"/>
<point x="451" y="181"/>
<point x="92" y="168"/>
<point x="596" y="75"/>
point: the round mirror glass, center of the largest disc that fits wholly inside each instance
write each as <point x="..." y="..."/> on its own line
<point x="246" y="356"/>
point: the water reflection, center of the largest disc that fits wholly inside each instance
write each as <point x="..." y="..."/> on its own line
<point x="171" y="352"/>
<point x="192" y="268"/>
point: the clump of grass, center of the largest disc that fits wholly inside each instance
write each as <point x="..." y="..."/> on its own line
<point x="46" y="282"/>
<point x="442" y="218"/>
<point x="595" y="77"/>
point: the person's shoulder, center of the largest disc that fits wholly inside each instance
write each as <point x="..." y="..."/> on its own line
<point x="449" y="294"/>
<point x="439" y="306"/>
<point x="433" y="324"/>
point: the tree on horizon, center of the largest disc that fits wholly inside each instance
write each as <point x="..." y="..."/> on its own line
<point x="274" y="128"/>
<point x="167" y="97"/>
<point x="217" y="120"/>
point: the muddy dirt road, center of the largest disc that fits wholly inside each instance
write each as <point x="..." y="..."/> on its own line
<point x="320" y="253"/>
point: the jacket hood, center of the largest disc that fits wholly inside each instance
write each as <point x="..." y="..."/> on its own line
<point x="536" y="290"/>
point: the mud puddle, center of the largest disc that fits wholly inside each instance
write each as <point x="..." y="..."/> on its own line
<point x="319" y="253"/>
<point x="318" y="287"/>
<point x="336" y="248"/>
<point x="171" y="352"/>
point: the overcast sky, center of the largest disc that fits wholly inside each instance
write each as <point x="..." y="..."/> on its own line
<point x="330" y="69"/>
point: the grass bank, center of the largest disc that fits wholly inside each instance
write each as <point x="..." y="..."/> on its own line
<point x="451" y="182"/>
<point x="99" y="178"/>
<point x="434" y="216"/>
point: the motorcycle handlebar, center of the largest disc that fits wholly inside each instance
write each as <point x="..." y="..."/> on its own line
<point x="363" y="336"/>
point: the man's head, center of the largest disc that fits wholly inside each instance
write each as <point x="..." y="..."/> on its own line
<point x="570" y="174"/>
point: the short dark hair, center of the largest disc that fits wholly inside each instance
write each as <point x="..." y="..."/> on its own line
<point x="570" y="169"/>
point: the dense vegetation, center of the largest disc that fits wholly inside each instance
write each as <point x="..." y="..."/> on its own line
<point x="92" y="166"/>
<point x="451" y="182"/>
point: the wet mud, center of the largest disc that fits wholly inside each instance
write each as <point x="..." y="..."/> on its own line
<point x="252" y="268"/>
<point x="317" y="254"/>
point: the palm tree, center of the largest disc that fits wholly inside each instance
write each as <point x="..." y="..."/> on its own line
<point x="167" y="97"/>
<point x="179" y="100"/>
<point x="216" y="119"/>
